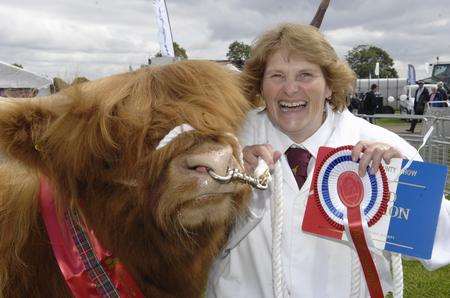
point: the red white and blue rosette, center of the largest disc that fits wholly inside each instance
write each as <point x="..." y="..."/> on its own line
<point x="348" y="201"/>
<point x="327" y="188"/>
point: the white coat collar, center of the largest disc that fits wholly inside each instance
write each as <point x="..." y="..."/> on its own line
<point x="282" y="142"/>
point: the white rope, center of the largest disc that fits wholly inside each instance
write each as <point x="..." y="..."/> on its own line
<point x="397" y="274"/>
<point x="173" y="134"/>
<point x="279" y="286"/>
<point x="355" y="282"/>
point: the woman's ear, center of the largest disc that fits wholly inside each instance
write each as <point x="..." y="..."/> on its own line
<point x="328" y="93"/>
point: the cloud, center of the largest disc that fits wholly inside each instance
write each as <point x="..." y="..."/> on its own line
<point x="95" y="38"/>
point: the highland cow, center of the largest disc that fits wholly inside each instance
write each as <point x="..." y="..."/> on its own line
<point x="154" y="219"/>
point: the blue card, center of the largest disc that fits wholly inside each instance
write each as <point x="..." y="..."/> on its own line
<point x="415" y="209"/>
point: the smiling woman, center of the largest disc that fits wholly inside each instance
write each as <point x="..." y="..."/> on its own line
<point x="294" y="72"/>
<point x="294" y="91"/>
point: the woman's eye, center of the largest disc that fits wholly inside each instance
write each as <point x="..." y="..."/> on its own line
<point x="304" y="76"/>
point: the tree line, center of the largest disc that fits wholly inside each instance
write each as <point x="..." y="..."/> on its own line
<point x="362" y="58"/>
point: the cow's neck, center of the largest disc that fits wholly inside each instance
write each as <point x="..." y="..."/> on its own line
<point x="161" y="264"/>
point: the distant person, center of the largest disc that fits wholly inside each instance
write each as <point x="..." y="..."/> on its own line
<point x="422" y="96"/>
<point x="435" y="98"/>
<point x="370" y="101"/>
<point x="441" y="90"/>
<point x="354" y="103"/>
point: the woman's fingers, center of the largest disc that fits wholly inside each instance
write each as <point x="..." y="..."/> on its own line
<point x="371" y="154"/>
<point x="264" y="151"/>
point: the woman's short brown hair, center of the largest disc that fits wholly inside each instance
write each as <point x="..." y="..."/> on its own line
<point x="307" y="42"/>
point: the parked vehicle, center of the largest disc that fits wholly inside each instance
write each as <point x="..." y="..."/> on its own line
<point x="395" y="94"/>
<point x="440" y="73"/>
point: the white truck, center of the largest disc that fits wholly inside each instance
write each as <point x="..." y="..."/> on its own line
<point x="395" y="94"/>
<point x="389" y="91"/>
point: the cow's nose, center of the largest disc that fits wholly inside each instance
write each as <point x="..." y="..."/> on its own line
<point x="216" y="158"/>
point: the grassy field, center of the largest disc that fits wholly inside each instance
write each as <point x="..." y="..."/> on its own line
<point x="422" y="283"/>
<point x="389" y="121"/>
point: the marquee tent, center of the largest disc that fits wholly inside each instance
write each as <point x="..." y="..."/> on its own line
<point x="12" y="77"/>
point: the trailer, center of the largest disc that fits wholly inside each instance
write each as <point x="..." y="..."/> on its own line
<point x="388" y="94"/>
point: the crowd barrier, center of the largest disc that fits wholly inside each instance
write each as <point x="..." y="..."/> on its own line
<point x="437" y="148"/>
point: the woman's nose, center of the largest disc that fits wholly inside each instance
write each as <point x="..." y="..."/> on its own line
<point x="291" y="87"/>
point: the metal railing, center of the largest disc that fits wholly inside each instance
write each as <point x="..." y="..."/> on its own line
<point x="437" y="148"/>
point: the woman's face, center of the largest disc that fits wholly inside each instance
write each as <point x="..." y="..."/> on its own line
<point x="294" y="91"/>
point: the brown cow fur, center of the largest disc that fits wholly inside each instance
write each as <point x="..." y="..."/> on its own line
<point x="95" y="143"/>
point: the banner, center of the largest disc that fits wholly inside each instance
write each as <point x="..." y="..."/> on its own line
<point x="377" y="69"/>
<point x="411" y="79"/>
<point x="164" y="31"/>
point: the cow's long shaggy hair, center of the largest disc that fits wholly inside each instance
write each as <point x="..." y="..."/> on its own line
<point x="95" y="143"/>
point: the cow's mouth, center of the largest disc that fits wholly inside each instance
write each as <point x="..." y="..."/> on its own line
<point x="212" y="208"/>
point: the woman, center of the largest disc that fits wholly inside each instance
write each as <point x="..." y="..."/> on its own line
<point x="297" y="74"/>
<point x="436" y="98"/>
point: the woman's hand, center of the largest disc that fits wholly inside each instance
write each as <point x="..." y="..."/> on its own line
<point x="264" y="151"/>
<point x="369" y="153"/>
<point x="373" y="152"/>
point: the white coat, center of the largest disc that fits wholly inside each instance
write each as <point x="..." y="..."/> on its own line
<point x="312" y="266"/>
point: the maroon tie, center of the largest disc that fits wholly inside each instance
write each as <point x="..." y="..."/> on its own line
<point x="298" y="160"/>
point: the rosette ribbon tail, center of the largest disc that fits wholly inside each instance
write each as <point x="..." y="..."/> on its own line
<point x="356" y="229"/>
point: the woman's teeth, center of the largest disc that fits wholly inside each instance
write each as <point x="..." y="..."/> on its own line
<point x="292" y="105"/>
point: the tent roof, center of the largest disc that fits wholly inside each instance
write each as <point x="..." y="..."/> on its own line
<point x="15" y="77"/>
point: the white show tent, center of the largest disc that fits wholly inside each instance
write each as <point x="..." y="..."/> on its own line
<point x="12" y="77"/>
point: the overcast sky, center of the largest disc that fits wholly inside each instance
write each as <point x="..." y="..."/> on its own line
<point x="96" y="38"/>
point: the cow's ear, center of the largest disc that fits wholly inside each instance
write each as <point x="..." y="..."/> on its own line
<point x="23" y="121"/>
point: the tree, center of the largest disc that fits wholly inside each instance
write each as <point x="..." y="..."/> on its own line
<point x="238" y="52"/>
<point x="180" y="52"/>
<point x="362" y="60"/>
<point x="18" y="65"/>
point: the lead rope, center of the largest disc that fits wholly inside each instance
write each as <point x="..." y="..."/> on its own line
<point x="355" y="282"/>
<point x="397" y="272"/>
<point x="279" y="285"/>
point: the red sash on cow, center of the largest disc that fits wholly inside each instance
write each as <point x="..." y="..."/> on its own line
<point x="88" y="268"/>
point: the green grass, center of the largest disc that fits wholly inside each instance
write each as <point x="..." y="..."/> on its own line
<point x="388" y="121"/>
<point x="420" y="282"/>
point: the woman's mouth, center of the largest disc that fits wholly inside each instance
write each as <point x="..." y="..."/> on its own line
<point x="291" y="106"/>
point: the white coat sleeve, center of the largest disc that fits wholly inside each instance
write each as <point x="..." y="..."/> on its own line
<point x="441" y="248"/>
<point x="256" y="208"/>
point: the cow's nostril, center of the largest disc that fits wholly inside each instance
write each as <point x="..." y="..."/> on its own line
<point x="201" y="169"/>
<point x="216" y="159"/>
